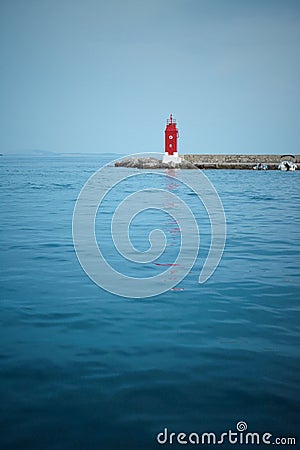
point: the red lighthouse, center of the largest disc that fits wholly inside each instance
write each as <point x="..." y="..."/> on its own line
<point x="171" y="136"/>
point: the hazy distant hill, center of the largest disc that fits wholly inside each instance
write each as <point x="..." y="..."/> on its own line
<point x="33" y="152"/>
<point x="45" y="153"/>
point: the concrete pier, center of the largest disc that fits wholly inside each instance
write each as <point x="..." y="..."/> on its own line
<point x="209" y="161"/>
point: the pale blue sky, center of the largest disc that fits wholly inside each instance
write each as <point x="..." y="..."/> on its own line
<point x="102" y="76"/>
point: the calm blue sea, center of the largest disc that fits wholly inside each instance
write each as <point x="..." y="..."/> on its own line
<point x="84" y="369"/>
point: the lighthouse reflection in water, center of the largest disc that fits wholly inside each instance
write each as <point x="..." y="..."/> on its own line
<point x="143" y="224"/>
<point x="172" y="227"/>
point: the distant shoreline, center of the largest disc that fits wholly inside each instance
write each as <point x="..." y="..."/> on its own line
<point x="56" y="154"/>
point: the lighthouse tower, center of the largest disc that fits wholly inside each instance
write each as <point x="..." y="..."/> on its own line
<point x="171" y="136"/>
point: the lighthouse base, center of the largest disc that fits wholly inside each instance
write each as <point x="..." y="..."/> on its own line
<point x="171" y="158"/>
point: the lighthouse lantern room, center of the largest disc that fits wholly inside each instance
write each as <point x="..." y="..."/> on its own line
<point x="171" y="136"/>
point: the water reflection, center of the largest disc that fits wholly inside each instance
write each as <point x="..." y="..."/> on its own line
<point x="171" y="228"/>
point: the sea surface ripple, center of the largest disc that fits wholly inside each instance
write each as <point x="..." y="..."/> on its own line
<point x="81" y="368"/>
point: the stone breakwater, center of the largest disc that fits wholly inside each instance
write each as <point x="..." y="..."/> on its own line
<point x="238" y="161"/>
<point x="209" y="161"/>
<point x="153" y="163"/>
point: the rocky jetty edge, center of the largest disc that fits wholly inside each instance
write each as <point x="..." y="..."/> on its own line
<point x="153" y="163"/>
<point x="209" y="161"/>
